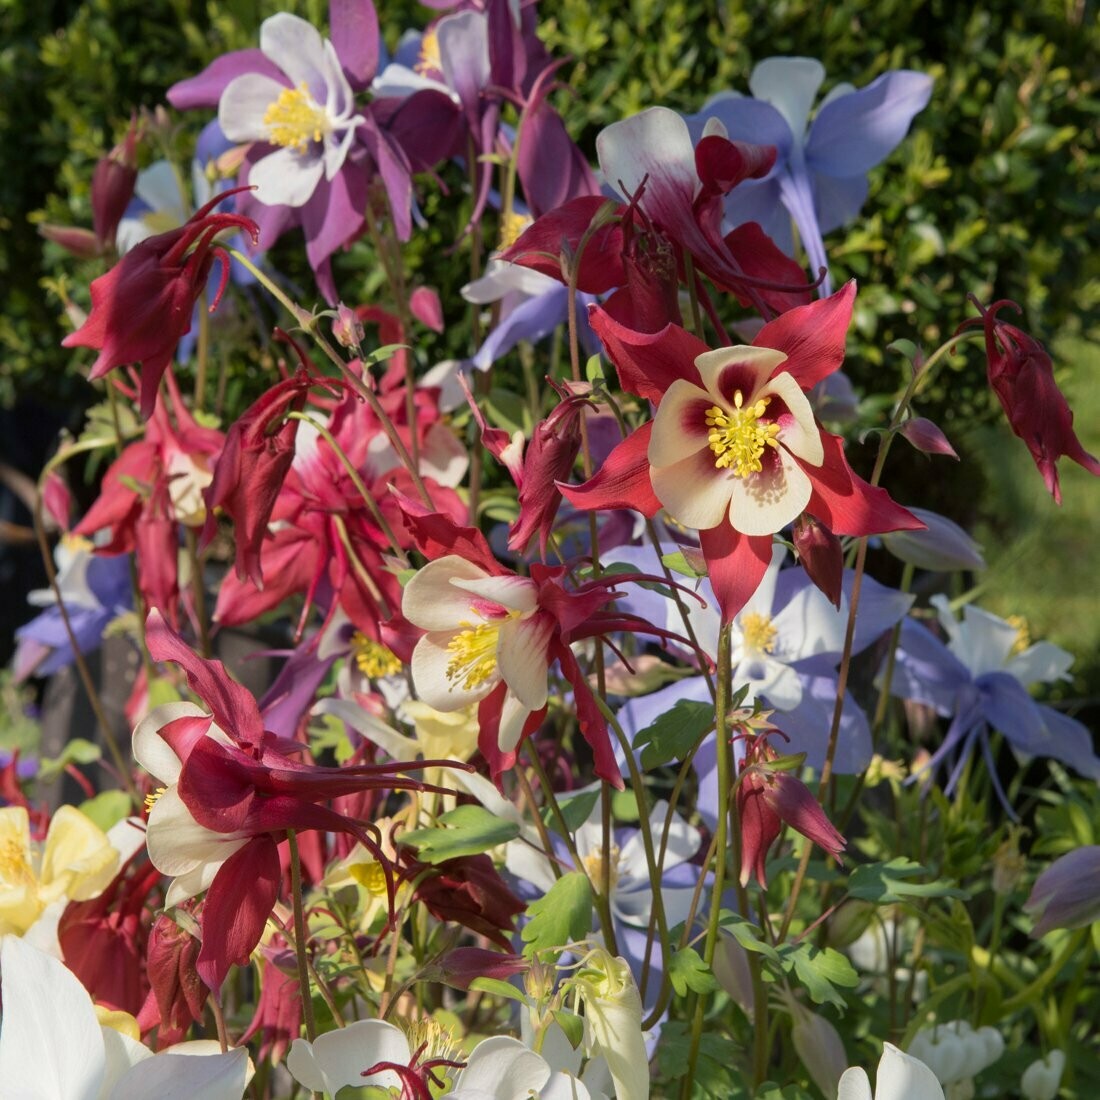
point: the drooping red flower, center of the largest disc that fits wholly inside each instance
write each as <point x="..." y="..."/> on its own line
<point x="1022" y="376"/>
<point x="177" y="995"/>
<point x="143" y="305"/>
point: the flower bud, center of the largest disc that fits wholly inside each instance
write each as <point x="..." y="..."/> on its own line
<point x="818" y="1045"/>
<point x="927" y="437"/>
<point x="731" y="970"/>
<point x="943" y="546"/>
<point x="347" y="329"/>
<point x="821" y="555"/>
<point x="1008" y="864"/>
<point x="1042" y="1078"/>
<point x="113" y="186"/>
<point x="1067" y="893"/>
<point x="81" y="243"/>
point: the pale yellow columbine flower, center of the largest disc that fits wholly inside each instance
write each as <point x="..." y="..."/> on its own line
<point x="75" y="863"/>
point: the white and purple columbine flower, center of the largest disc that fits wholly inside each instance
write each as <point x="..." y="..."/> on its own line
<point x="1067" y="893"/>
<point x="819" y="179"/>
<point x="980" y="679"/>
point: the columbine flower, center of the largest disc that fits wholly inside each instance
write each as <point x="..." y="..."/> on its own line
<point x="819" y="179"/>
<point x="981" y="678"/>
<point x="143" y="305"/>
<point x="307" y="112"/>
<point x="900" y="1077"/>
<point x="1067" y="893"/>
<point x="75" y="863"/>
<point x="52" y="1045"/>
<point x="1022" y="376"/>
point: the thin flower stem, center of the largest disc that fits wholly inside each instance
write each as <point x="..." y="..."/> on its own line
<point x="198" y="589"/>
<point x="202" y="353"/>
<point x="721" y="834"/>
<point x="219" y="1021"/>
<point x="540" y="825"/>
<point x="300" y="944"/>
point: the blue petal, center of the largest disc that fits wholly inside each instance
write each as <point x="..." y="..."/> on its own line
<point x="759" y="201"/>
<point x="926" y="671"/>
<point x="808" y="726"/>
<point x="745" y="119"/>
<point x="1069" y="742"/>
<point x="837" y="201"/>
<point x="854" y="132"/>
<point x="531" y="321"/>
<point x="797" y="196"/>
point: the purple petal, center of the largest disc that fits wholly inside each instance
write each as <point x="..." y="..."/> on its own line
<point x="551" y="167"/>
<point x="1067" y="893"/>
<point x="1070" y="742"/>
<point x="837" y="201"/>
<point x="745" y="119"/>
<point x="464" y="54"/>
<point x="531" y="321"/>
<point x="393" y="167"/>
<point x="926" y="671"/>
<point x="854" y="132"/>
<point x="206" y="89"/>
<point x="353" y="26"/>
<point x="809" y="723"/>
<point x="797" y="196"/>
<point x="333" y="215"/>
<point x="292" y="693"/>
<point x="428" y="125"/>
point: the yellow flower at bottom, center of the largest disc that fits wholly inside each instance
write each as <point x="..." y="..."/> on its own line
<point x="76" y="863"/>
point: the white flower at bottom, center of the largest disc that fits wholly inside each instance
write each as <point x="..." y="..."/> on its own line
<point x="482" y="630"/>
<point x="900" y="1077"/>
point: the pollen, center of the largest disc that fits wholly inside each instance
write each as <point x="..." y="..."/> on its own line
<point x="594" y="867"/>
<point x="15" y="869"/>
<point x="371" y="876"/>
<point x="738" y="437"/>
<point x="373" y="659"/>
<point x="511" y="226"/>
<point x="1023" y="634"/>
<point x="152" y="799"/>
<point x="429" y="60"/>
<point x="295" y="119"/>
<point x="433" y="1040"/>
<point x="473" y="655"/>
<point x="758" y="632"/>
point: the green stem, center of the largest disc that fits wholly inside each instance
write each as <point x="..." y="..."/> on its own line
<point x="300" y="936"/>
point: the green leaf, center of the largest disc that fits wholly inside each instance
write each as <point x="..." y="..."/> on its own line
<point x="574" y="810"/>
<point x="469" y="831"/>
<point x="106" y="808"/>
<point x="77" y="751"/>
<point x="686" y="970"/>
<point x="820" y="971"/>
<point x="386" y="351"/>
<point x="675" y="733"/>
<point x="678" y="563"/>
<point x="498" y="988"/>
<point x="887" y="883"/>
<point x="562" y="916"/>
<point x="571" y="1024"/>
<point x="717" y="1068"/>
<point x="593" y="371"/>
<point x="747" y="934"/>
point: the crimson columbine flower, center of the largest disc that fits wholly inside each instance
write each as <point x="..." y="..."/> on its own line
<point x="768" y="799"/>
<point x="143" y="305"/>
<point x="1022" y="376"/>
<point x="734" y="449"/>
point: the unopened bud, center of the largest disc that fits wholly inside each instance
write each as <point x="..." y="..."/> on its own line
<point x="849" y="922"/>
<point x="81" y="243"/>
<point x="927" y="437"/>
<point x="1042" y="1078"/>
<point x="1009" y="864"/>
<point x="347" y="329"/>
<point x="943" y="546"/>
<point x="113" y="185"/>
<point x="821" y="556"/>
<point x="819" y="1046"/>
<point x="731" y="970"/>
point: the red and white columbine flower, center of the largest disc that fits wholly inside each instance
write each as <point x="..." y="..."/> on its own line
<point x="482" y="631"/>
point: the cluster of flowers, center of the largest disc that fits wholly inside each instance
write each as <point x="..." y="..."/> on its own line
<point x="538" y="776"/>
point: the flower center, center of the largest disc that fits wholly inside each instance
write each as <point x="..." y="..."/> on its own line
<point x="474" y="653"/>
<point x="371" y="877"/>
<point x="152" y="799"/>
<point x="738" y="438"/>
<point x="1023" y="634"/>
<point x="429" y="60"/>
<point x="433" y="1039"/>
<point x="758" y="632"/>
<point x="593" y="865"/>
<point x="295" y="119"/>
<point x="511" y="226"/>
<point x="14" y="866"/>
<point x="373" y="659"/>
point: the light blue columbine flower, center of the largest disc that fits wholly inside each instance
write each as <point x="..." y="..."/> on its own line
<point x="820" y="175"/>
<point x="981" y="681"/>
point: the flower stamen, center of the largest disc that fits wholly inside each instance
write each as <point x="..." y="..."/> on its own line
<point x="373" y="659"/>
<point x="295" y="119"/>
<point x="738" y="438"/>
<point x="758" y="632"/>
<point x="474" y="654"/>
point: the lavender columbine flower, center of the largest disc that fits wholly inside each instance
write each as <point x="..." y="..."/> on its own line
<point x="820" y="175"/>
<point x="1067" y="893"/>
<point x="980" y="679"/>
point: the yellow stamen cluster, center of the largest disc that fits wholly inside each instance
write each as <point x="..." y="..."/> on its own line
<point x="373" y="659"/>
<point x="14" y="867"/>
<point x="511" y="226"/>
<point x="758" y="632"/>
<point x="295" y="120"/>
<point x="594" y="867"/>
<point x="371" y="877"/>
<point x="437" y="1040"/>
<point x="1023" y="634"/>
<point x="474" y="655"/>
<point x="429" y="60"/>
<point x="737" y="438"/>
<point x="77" y="543"/>
<point x="151" y="799"/>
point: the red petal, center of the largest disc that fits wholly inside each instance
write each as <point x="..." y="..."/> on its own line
<point x="736" y="564"/>
<point x="760" y="258"/>
<point x="590" y="719"/>
<point x="622" y="481"/>
<point x="811" y="336"/>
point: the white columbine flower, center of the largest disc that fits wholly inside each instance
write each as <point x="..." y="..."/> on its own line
<point x="900" y="1077"/>
<point x="52" y="1047"/>
<point x="311" y="117"/>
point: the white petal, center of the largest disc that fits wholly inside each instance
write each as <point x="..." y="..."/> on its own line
<point x="51" y="1047"/>
<point x="854" y="1085"/>
<point x="809" y="624"/>
<point x="766" y="502"/>
<point x="1042" y="663"/>
<point x="186" y="1077"/>
<point x="159" y="187"/>
<point x="763" y="599"/>
<point x="297" y="47"/>
<point x="400" y="82"/>
<point x="191" y="884"/>
<point x="151" y="751"/>
<point x="757" y="365"/>
<point x="513" y="715"/>
<point x="515" y="593"/>
<point x="901" y="1077"/>
<point x="429" y="670"/>
<point x="502" y="1068"/>
<point x="338" y="1058"/>
<point x="501" y="278"/>
<point x="799" y="433"/>
<point x="396" y="745"/>
<point x="432" y="602"/>
<point x="286" y="177"/>
<point x="680" y="426"/>
<point x="243" y="105"/>
<point x="694" y="491"/>
<point x="563" y="1086"/>
<point x="789" y="84"/>
<point x="521" y="658"/>
<point x="654" y="143"/>
<point x="529" y="864"/>
<point x="178" y="843"/>
<point x="122" y="1054"/>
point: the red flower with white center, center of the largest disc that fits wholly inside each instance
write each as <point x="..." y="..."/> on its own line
<point x="734" y="450"/>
